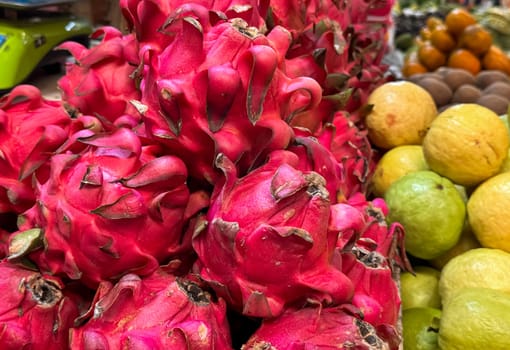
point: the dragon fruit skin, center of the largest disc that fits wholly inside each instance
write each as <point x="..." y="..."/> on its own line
<point x="4" y="243"/>
<point x="31" y="127"/>
<point x="100" y="82"/>
<point x="316" y="328"/>
<point x="114" y="207"/>
<point x="158" y="312"/>
<point x="277" y="229"/>
<point x="36" y="311"/>
<point x="376" y="291"/>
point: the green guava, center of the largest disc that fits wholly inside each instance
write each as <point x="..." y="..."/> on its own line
<point x="431" y="210"/>
<point x="420" y="327"/>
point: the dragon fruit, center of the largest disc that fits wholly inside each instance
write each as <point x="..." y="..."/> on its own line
<point x="377" y="235"/>
<point x="336" y="44"/>
<point x="36" y="311"/>
<point x="368" y="253"/>
<point x="352" y="150"/>
<point x="147" y="18"/>
<point x="116" y="206"/>
<point x="158" y="312"/>
<point x="340" y="152"/>
<point x="100" y="82"/>
<point x="270" y="223"/>
<point x="376" y="291"/>
<point x="31" y="127"/>
<point x="317" y="328"/>
<point x="224" y="92"/>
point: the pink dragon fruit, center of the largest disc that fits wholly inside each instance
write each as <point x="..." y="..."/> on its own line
<point x="337" y="155"/>
<point x="100" y="82"/>
<point x="36" y="311"/>
<point x="376" y="291"/>
<point x="335" y="44"/>
<point x="156" y="312"/>
<point x="115" y="206"/>
<point x="352" y="150"/>
<point x="317" y="328"/>
<point x="367" y="252"/>
<point x="147" y="18"/>
<point x="266" y="245"/>
<point x="377" y="235"/>
<point x="224" y="92"/>
<point x="31" y="128"/>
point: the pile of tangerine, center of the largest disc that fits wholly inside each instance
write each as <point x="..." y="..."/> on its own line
<point x="459" y="42"/>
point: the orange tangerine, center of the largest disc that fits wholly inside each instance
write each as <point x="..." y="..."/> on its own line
<point x="496" y="59"/>
<point x="433" y="21"/>
<point x="442" y="39"/>
<point x="458" y="19"/>
<point x="430" y="56"/>
<point x="465" y="59"/>
<point x="476" y="39"/>
<point x="425" y="33"/>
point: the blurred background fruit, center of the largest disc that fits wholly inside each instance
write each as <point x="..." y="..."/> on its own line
<point x="476" y="39"/>
<point x="457" y="20"/>
<point x="430" y="56"/>
<point x="464" y="59"/>
<point x="442" y="39"/>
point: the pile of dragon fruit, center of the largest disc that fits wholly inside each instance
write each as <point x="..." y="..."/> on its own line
<point x="202" y="184"/>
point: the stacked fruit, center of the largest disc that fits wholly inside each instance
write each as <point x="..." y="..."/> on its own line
<point x="444" y="177"/>
<point x="202" y="185"/>
<point x="450" y="86"/>
<point x="458" y="41"/>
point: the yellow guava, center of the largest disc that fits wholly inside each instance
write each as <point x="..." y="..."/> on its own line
<point x="467" y="143"/>
<point x="488" y="212"/>
<point x="476" y="319"/>
<point x="394" y="164"/>
<point x="480" y="267"/>
<point x="421" y="288"/>
<point x="505" y="167"/>
<point x="401" y="114"/>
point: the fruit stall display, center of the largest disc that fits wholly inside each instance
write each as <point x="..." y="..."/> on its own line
<point x="250" y="175"/>
<point x="203" y="184"/>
